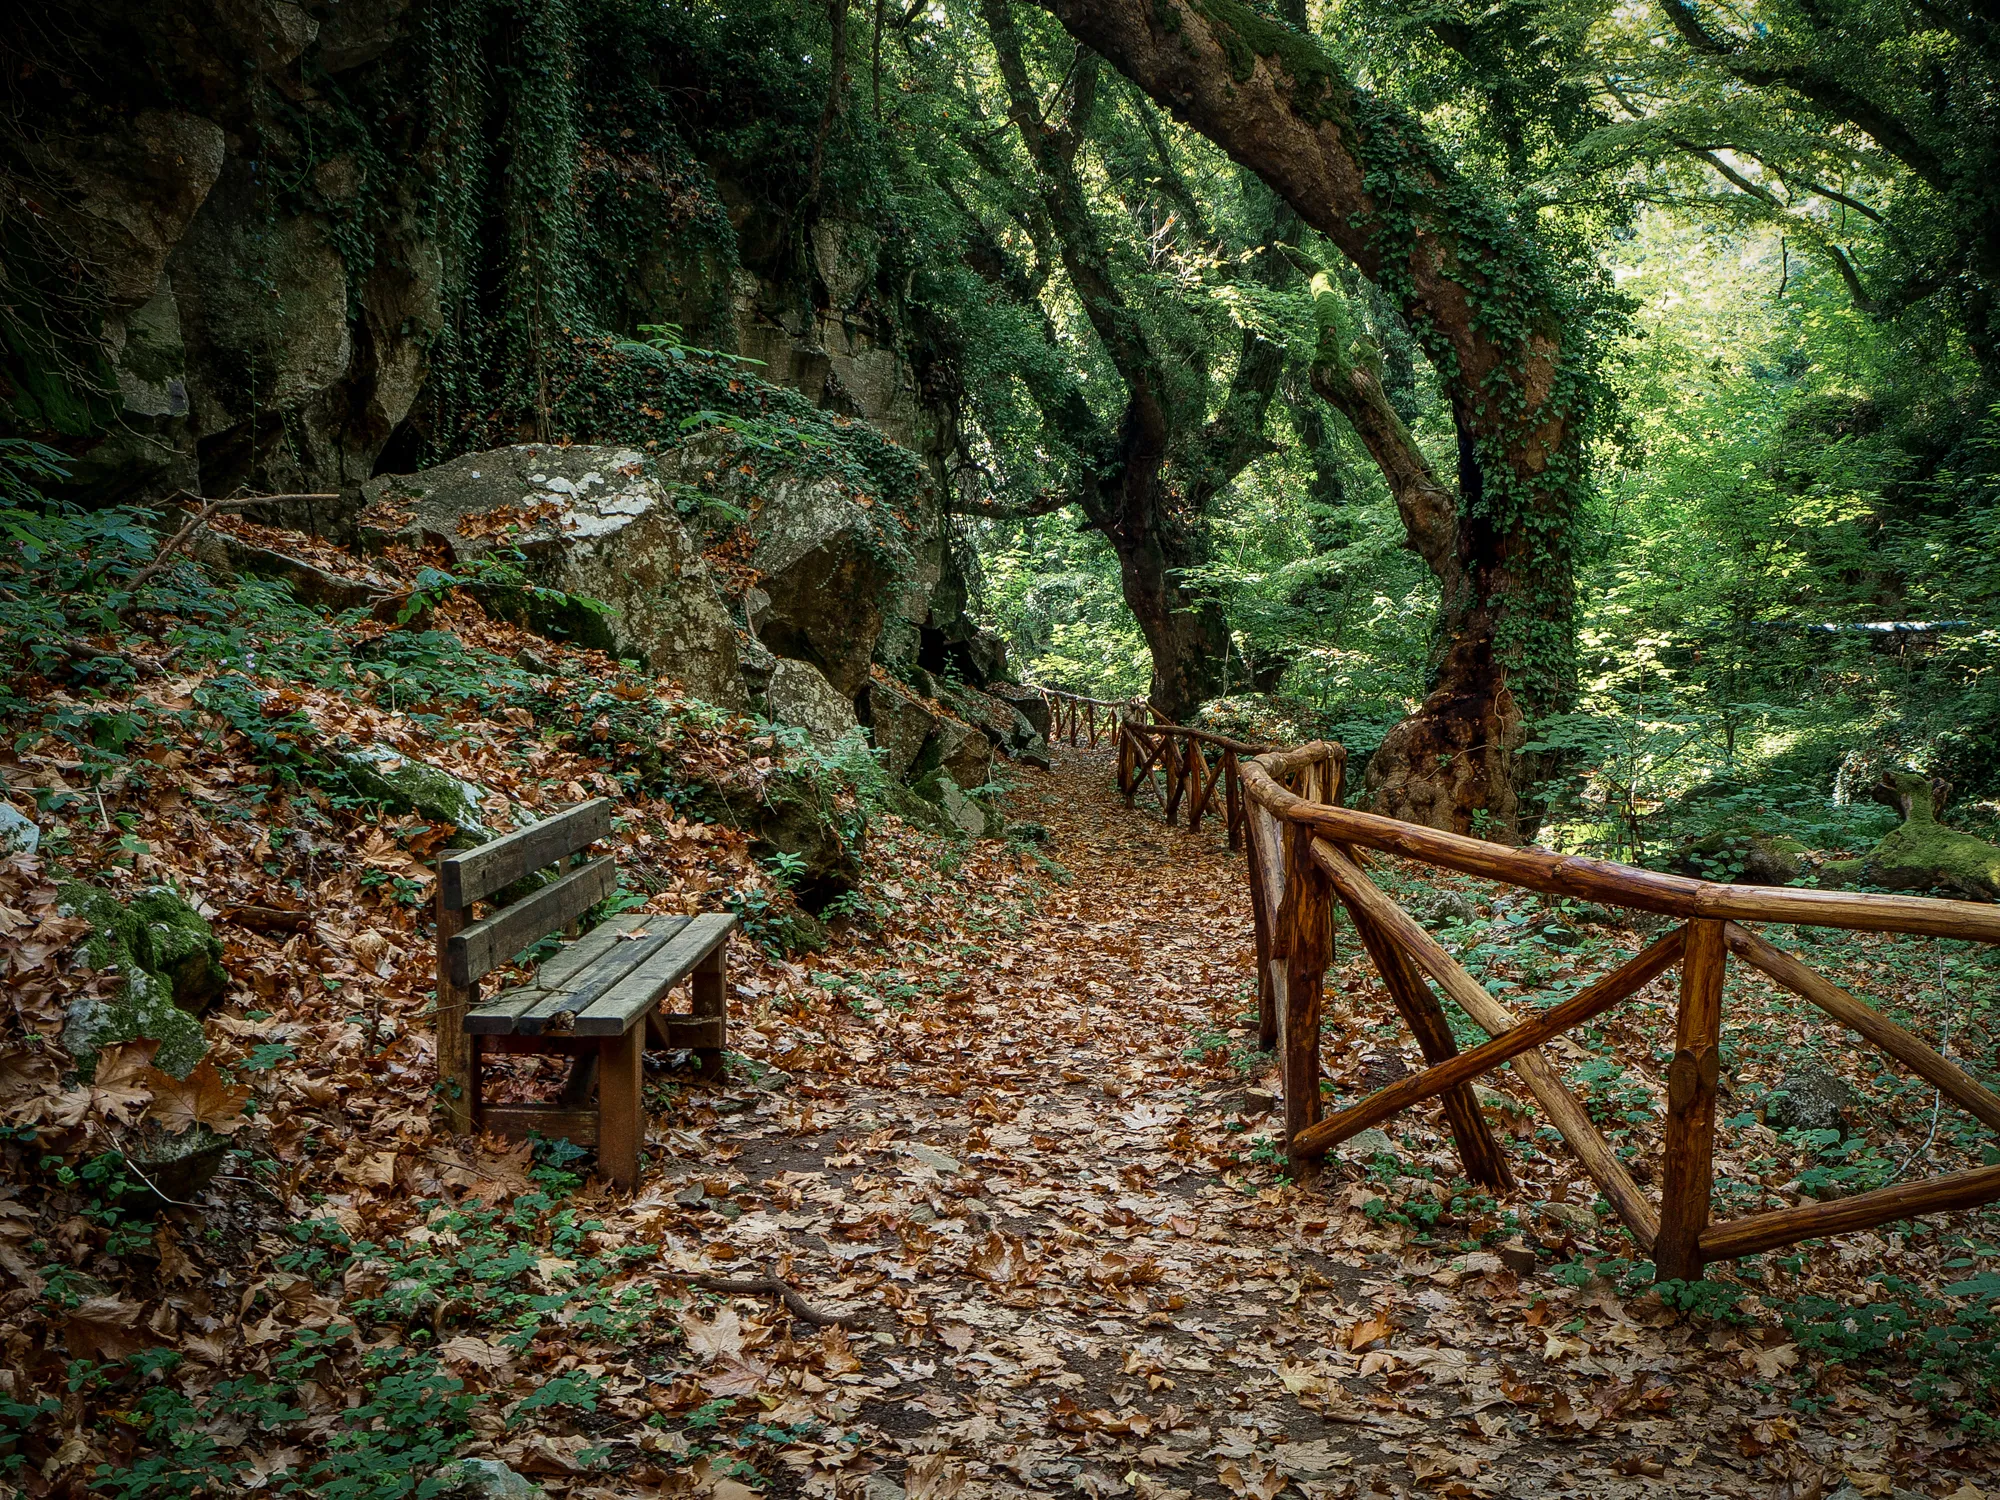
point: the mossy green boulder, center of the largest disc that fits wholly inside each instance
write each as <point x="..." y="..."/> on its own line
<point x="171" y="962"/>
<point x="406" y="784"/>
<point x="1923" y="854"/>
<point x="1743" y="856"/>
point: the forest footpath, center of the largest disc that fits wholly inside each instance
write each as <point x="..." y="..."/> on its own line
<point x="996" y="1111"/>
<point x="1063" y="1216"/>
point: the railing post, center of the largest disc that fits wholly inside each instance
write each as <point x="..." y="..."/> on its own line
<point x="1688" y="1174"/>
<point x="1232" y="799"/>
<point x="1267" y="893"/>
<point x="1304" y="939"/>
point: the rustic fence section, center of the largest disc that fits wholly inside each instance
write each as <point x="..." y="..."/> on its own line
<point x="1082" y="720"/>
<point x="1306" y="852"/>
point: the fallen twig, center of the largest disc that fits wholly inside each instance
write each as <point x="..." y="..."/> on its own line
<point x="772" y="1286"/>
<point x="209" y="510"/>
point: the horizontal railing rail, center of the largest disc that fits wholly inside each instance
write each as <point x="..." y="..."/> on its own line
<point x="1307" y="853"/>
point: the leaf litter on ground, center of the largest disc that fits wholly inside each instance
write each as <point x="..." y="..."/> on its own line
<point x="1013" y="1115"/>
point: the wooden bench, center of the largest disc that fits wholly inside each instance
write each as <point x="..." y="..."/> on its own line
<point x="596" y="1000"/>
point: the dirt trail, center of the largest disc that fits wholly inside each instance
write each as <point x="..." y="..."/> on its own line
<point x="1085" y="1274"/>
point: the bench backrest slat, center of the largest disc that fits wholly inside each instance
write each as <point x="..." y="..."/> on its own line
<point x="478" y="873"/>
<point x="491" y="941"/>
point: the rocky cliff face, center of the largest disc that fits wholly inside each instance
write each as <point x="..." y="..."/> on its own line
<point x="237" y="241"/>
<point x="299" y="245"/>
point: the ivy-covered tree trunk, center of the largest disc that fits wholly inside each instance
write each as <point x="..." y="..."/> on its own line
<point x="1495" y="320"/>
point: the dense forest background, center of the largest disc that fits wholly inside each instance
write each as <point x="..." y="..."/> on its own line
<point x="419" y="418"/>
<point x="1189" y="449"/>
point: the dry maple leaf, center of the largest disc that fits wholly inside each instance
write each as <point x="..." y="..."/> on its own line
<point x="720" y="1337"/>
<point x="1370" y="1330"/>
<point x="933" y="1476"/>
<point x="105" y="1328"/>
<point x="371" y="950"/>
<point x="201" y="1098"/>
<point x="119" y="1089"/>
<point x="734" y="1375"/>
<point x="467" y="1352"/>
<point x="1251" y="1480"/>
<point x="837" y="1354"/>
<point x="957" y="1337"/>
<point x="1002" y="1259"/>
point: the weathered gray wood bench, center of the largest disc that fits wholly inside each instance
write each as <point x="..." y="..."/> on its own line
<point x="596" y="1000"/>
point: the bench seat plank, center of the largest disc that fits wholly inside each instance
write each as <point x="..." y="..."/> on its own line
<point x="488" y="943"/>
<point x="583" y="989"/>
<point x="630" y="999"/>
<point x="556" y="976"/>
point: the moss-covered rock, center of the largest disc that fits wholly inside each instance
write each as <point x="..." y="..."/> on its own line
<point x="1923" y="854"/>
<point x="789" y="812"/>
<point x="171" y="962"/>
<point x="1744" y="856"/>
<point x="408" y="785"/>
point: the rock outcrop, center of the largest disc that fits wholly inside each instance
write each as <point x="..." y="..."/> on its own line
<point x="799" y="694"/>
<point x="595" y="524"/>
<point x="837" y="571"/>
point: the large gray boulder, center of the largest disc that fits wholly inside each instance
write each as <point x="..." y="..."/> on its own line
<point x="1028" y="703"/>
<point x="900" y="723"/>
<point x="800" y="694"/>
<point x="960" y="752"/>
<point x="599" y="523"/>
<point x="1809" y="1098"/>
<point x="830" y="568"/>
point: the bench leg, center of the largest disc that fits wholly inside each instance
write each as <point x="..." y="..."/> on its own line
<point x="621" y="1115"/>
<point x="457" y="1086"/>
<point x="582" y="1079"/>
<point x="475" y="1082"/>
<point x="710" y="983"/>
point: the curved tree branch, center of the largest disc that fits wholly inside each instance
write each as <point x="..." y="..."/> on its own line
<point x="1835" y="95"/>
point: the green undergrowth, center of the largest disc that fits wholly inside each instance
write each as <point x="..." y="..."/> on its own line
<point x="1934" y="1335"/>
<point x="513" y="1278"/>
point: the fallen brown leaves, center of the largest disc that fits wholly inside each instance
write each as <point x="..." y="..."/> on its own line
<point x="1012" y="1115"/>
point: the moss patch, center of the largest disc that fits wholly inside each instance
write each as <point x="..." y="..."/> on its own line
<point x="172" y="965"/>
<point x="1924" y="854"/>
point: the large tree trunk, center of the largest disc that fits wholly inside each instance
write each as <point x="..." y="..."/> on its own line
<point x="1489" y="313"/>
<point x="1187" y="636"/>
<point x="1156" y="534"/>
<point x="1453" y="763"/>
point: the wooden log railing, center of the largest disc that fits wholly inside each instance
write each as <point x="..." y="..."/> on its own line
<point x="1082" y="720"/>
<point x="1183" y="768"/>
<point x="1307" y="853"/>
